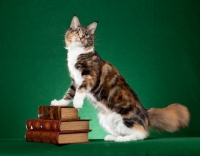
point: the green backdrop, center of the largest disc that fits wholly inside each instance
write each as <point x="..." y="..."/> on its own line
<point x="155" y="44"/>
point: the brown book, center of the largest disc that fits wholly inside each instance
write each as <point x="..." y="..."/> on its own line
<point x="57" y="125"/>
<point x="57" y="137"/>
<point x="57" y="112"/>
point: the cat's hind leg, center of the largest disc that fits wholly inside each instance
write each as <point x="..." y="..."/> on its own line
<point x="114" y="124"/>
<point x="109" y="123"/>
<point x="110" y="137"/>
<point x="137" y="132"/>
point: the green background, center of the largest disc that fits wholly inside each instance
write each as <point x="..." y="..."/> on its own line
<point x="155" y="45"/>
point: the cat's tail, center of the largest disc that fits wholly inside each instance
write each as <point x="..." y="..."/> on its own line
<point x="170" y="119"/>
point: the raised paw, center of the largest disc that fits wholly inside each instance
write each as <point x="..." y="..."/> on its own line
<point x="61" y="102"/>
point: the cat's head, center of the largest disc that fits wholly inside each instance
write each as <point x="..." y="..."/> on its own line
<point x="79" y="36"/>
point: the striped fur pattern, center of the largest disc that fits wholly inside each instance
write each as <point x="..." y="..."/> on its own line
<point x="120" y="110"/>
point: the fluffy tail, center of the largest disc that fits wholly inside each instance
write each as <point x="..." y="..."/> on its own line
<point x="171" y="118"/>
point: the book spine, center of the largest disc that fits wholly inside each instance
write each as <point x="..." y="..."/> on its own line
<point x="49" y="112"/>
<point x="42" y="136"/>
<point x="33" y="124"/>
<point x="45" y="125"/>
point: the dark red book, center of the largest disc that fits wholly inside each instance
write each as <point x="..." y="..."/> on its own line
<point x="69" y="137"/>
<point x="57" y="125"/>
<point x="57" y="112"/>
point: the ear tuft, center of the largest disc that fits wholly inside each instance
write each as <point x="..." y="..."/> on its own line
<point x="75" y="22"/>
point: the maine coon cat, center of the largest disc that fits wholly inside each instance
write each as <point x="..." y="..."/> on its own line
<point x="120" y="110"/>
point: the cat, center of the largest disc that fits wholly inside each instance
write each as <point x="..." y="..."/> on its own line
<point x="121" y="113"/>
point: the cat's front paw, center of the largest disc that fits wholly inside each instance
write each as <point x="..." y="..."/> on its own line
<point x="61" y="102"/>
<point x="78" y="100"/>
<point x="78" y="103"/>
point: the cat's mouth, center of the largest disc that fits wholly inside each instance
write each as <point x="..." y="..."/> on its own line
<point x="74" y="44"/>
<point x="80" y="44"/>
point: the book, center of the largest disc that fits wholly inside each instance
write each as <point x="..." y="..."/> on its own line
<point x="57" y="112"/>
<point x="57" y="137"/>
<point x="57" y="125"/>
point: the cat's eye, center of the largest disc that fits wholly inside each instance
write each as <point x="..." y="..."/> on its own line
<point x="86" y="34"/>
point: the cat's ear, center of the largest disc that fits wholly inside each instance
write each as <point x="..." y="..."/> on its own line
<point x="92" y="27"/>
<point x="75" y="22"/>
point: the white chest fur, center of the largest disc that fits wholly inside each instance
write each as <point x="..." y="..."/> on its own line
<point x="72" y="60"/>
<point x="73" y="54"/>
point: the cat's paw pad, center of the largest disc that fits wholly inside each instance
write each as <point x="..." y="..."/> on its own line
<point x="61" y="102"/>
<point x="109" y="138"/>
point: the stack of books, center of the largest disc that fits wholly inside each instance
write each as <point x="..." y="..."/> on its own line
<point x="57" y="125"/>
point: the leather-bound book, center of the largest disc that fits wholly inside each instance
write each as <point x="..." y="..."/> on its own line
<point x="57" y="125"/>
<point x="57" y="137"/>
<point x="57" y="112"/>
